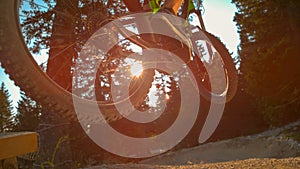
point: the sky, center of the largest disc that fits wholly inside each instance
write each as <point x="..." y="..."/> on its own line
<point x="218" y="20"/>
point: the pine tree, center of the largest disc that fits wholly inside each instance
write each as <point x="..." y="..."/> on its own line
<point x="28" y="114"/>
<point x="62" y="27"/>
<point x="6" y="117"/>
<point x="269" y="52"/>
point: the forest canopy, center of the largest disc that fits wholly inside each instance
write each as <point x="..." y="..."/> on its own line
<point x="269" y="53"/>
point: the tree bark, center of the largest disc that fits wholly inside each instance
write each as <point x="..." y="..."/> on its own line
<point x="53" y="129"/>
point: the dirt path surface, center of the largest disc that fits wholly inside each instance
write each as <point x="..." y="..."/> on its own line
<point x="269" y="144"/>
<point x="228" y="150"/>
<point x="287" y="163"/>
<point x="270" y="149"/>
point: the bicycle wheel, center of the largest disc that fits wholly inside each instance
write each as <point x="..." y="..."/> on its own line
<point x="229" y="69"/>
<point x="209" y="60"/>
<point x="54" y="94"/>
<point x="19" y="64"/>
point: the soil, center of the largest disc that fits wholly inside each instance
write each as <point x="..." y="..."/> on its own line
<point x="269" y="149"/>
<point x="256" y="163"/>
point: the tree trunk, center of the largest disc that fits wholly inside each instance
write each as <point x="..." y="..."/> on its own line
<point x="53" y="129"/>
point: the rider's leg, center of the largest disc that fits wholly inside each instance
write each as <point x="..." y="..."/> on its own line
<point x="173" y="4"/>
<point x="133" y="5"/>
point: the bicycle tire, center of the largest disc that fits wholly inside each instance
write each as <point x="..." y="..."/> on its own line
<point x="228" y="63"/>
<point x="56" y="97"/>
<point x="19" y="64"/>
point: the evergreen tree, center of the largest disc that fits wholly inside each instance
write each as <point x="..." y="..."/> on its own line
<point x="6" y="117"/>
<point x="28" y="114"/>
<point x="269" y="53"/>
<point x="63" y="27"/>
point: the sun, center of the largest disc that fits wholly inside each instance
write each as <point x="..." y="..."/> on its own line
<point x="136" y="69"/>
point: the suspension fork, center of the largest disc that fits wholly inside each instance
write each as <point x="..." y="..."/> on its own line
<point x="198" y="13"/>
<point x="188" y="8"/>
